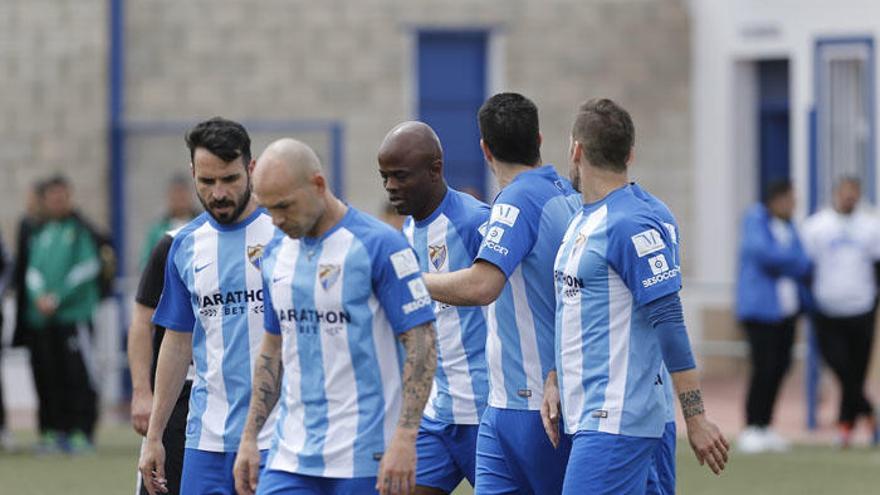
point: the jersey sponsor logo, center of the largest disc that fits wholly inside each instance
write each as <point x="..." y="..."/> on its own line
<point x="437" y="255"/>
<point x="404" y="263"/>
<point x="255" y="254"/>
<point x="310" y="321"/>
<point x="599" y="413"/>
<point x="571" y="285"/>
<point x="498" y="248"/>
<point x="237" y="302"/>
<point x="658" y="264"/>
<point x="648" y="242"/>
<point x="524" y="393"/>
<point x="504" y="213"/>
<point x="416" y="305"/>
<point x="328" y="275"/>
<point x="662" y="277"/>
<point x="495" y="234"/>
<point x="200" y="268"/>
<point x="673" y="235"/>
<point x="417" y="288"/>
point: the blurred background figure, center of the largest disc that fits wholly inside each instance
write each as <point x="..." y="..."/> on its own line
<point x="772" y="270"/>
<point x="27" y="223"/>
<point x="180" y="209"/>
<point x="62" y="290"/>
<point x="843" y="242"/>
<point x="6" y="443"/>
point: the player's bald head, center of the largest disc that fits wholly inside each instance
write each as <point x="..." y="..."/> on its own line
<point x="411" y="144"/>
<point x="286" y="162"/>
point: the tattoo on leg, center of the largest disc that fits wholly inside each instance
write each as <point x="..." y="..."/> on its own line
<point x="691" y="403"/>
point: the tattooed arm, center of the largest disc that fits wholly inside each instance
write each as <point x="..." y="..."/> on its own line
<point x="397" y="471"/>
<point x="706" y="440"/>
<point x="264" y="394"/>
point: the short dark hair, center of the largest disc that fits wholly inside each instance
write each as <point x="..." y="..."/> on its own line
<point x="509" y="127"/>
<point x="606" y="132"/>
<point x="776" y="188"/>
<point x="225" y="138"/>
<point x="57" y="180"/>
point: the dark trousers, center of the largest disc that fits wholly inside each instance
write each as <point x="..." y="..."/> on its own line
<point x="174" y="440"/>
<point x="61" y="357"/>
<point x="845" y="344"/>
<point x="770" y="345"/>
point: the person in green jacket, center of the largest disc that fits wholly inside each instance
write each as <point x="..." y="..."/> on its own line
<point x="179" y="211"/>
<point x="62" y="290"/>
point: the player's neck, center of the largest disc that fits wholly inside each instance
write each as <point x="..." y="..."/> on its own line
<point x="437" y="196"/>
<point x="597" y="183"/>
<point x="336" y="209"/>
<point x="248" y="210"/>
<point x="506" y="172"/>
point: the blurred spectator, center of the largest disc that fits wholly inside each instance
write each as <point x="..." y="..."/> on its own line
<point x="773" y="267"/>
<point x="843" y="242"/>
<point x="62" y="291"/>
<point x="179" y="211"/>
<point x="28" y="222"/>
<point x="5" y="271"/>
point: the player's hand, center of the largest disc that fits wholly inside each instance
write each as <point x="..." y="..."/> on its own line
<point x="247" y="467"/>
<point x="141" y="405"/>
<point x="708" y="443"/>
<point x="550" y="409"/>
<point x="152" y="467"/>
<point x="397" y="471"/>
<point x="47" y="304"/>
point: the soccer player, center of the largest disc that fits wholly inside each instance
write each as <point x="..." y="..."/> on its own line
<point x="443" y="227"/>
<point x="513" y="275"/>
<point x="211" y="306"/>
<point x="144" y="342"/>
<point x="344" y="297"/>
<point x="618" y="319"/>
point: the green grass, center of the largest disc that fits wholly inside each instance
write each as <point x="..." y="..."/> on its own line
<point x="804" y="471"/>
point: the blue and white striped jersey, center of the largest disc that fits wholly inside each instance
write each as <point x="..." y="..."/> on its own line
<point x="671" y="224"/>
<point x="446" y="241"/>
<point x="614" y="259"/>
<point x="525" y="229"/>
<point x="214" y="290"/>
<point x="339" y="303"/>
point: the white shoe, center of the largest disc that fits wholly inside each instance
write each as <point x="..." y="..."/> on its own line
<point x="775" y="442"/>
<point x="752" y="440"/>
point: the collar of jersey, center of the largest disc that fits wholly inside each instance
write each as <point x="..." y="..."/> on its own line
<point x="437" y="211"/>
<point x="608" y="197"/>
<point x="546" y="170"/>
<point x="226" y="227"/>
<point x="311" y="241"/>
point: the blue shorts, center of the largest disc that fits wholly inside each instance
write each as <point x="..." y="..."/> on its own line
<point x="606" y="464"/>
<point x="661" y="478"/>
<point x="514" y="454"/>
<point x="447" y="454"/>
<point x="275" y="482"/>
<point x="207" y="472"/>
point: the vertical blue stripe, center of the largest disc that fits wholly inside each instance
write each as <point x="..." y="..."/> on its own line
<point x="356" y="290"/>
<point x="231" y="254"/>
<point x="511" y="353"/>
<point x="593" y="268"/>
<point x="311" y="360"/>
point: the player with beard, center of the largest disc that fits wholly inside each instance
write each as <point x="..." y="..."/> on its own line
<point x="212" y="309"/>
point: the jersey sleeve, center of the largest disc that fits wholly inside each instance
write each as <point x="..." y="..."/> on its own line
<point x="510" y="233"/>
<point x="640" y="251"/>
<point x="153" y="277"/>
<point x="397" y="283"/>
<point x="476" y="228"/>
<point x="174" y="311"/>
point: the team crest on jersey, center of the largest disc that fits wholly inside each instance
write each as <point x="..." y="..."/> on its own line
<point x="255" y="254"/>
<point x="328" y="275"/>
<point x="437" y="254"/>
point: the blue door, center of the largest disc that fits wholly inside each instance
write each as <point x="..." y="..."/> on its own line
<point x="451" y="88"/>
<point x="773" y="123"/>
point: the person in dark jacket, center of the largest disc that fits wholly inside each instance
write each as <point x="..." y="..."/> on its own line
<point x="773" y="270"/>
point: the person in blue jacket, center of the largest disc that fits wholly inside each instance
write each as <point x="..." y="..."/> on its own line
<point x="773" y="268"/>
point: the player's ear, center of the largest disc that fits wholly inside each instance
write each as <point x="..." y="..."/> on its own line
<point x="631" y="156"/>
<point x="487" y="154"/>
<point x="319" y="182"/>
<point x="576" y="150"/>
<point x="250" y="166"/>
<point x="436" y="169"/>
<point x="540" y="138"/>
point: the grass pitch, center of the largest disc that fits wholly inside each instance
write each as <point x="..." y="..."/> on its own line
<point x="804" y="471"/>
